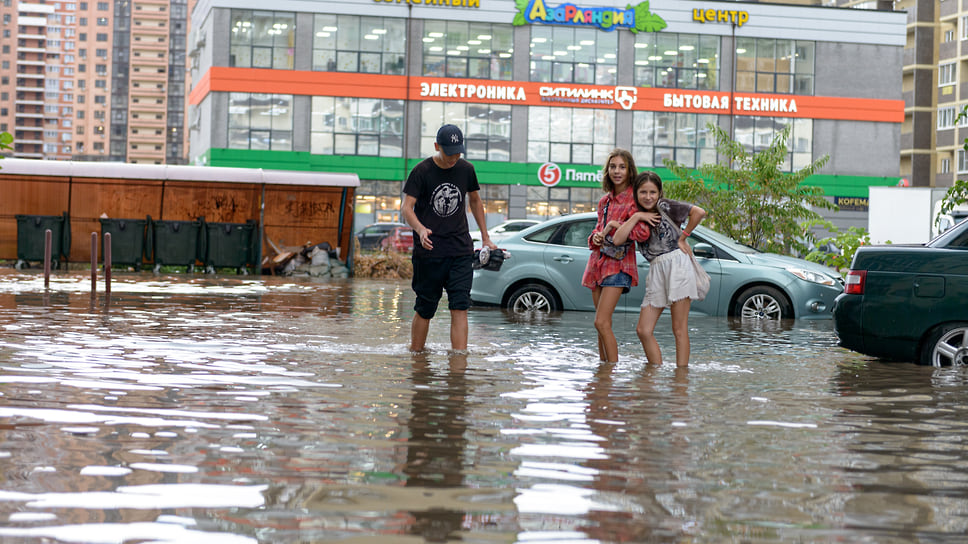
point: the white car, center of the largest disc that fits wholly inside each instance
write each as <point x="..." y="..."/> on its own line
<point x="505" y="229"/>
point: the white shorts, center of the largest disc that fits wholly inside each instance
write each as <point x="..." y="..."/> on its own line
<point x="671" y="278"/>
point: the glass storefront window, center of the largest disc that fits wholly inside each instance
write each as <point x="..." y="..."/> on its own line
<point x="486" y="128"/>
<point x="352" y="43"/>
<point x="262" y="39"/>
<point x="768" y="65"/>
<point x="495" y="199"/>
<point x="757" y="133"/>
<point x="573" y="55"/>
<point x="682" y="61"/>
<point x="463" y="49"/>
<point x="356" y="126"/>
<point x="260" y="121"/>
<point x="577" y="136"/>
<point x="683" y="137"/>
<point x="545" y="203"/>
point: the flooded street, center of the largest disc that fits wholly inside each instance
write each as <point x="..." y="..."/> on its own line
<point x="270" y="410"/>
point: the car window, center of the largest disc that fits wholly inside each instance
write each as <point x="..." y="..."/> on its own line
<point x="542" y="236"/>
<point x="576" y="234"/>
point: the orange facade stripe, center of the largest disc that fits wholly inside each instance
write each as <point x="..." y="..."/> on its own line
<point x="529" y="93"/>
<point x="262" y="80"/>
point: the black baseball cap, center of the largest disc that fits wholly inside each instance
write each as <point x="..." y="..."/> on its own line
<point x="451" y="140"/>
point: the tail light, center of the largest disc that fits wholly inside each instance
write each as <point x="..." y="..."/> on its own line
<point x="855" y="282"/>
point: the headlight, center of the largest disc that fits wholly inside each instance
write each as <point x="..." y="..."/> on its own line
<point x="811" y="276"/>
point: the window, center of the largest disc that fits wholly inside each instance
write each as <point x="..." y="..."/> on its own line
<point x="766" y="65"/>
<point x="545" y="202"/>
<point x="564" y="135"/>
<point x="946" y="74"/>
<point x="350" y="43"/>
<point x="103" y="6"/>
<point x="682" y="61"/>
<point x="962" y="161"/>
<point x="682" y="137"/>
<point x="462" y="49"/>
<point x="356" y="126"/>
<point x="573" y="55"/>
<point x="486" y="128"/>
<point x="260" y="121"/>
<point x="964" y="27"/>
<point x="262" y="39"/>
<point x="101" y="37"/>
<point x="946" y="117"/>
<point x="757" y="133"/>
<point x="949" y="36"/>
<point x="945" y="166"/>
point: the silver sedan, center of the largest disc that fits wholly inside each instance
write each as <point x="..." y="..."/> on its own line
<point x="542" y="268"/>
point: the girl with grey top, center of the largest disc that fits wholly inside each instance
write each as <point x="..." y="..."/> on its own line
<point x="671" y="281"/>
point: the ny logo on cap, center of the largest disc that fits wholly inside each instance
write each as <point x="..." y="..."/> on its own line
<point x="455" y="138"/>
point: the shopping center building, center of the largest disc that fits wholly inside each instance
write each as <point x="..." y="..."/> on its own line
<point x="543" y="92"/>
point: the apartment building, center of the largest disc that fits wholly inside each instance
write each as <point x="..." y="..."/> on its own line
<point x="100" y="80"/>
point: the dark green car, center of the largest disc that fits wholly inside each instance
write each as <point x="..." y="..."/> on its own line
<point x="908" y="303"/>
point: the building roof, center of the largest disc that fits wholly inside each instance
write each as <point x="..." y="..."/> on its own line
<point x="173" y="172"/>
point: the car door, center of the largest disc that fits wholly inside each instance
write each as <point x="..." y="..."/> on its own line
<point x="565" y="257"/>
<point x="712" y="263"/>
<point x="632" y="301"/>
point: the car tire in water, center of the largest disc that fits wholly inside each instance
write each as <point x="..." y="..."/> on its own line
<point x="947" y="345"/>
<point x="533" y="298"/>
<point x="763" y="302"/>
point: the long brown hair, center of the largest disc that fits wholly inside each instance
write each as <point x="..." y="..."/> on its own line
<point x="607" y="184"/>
<point x="640" y="179"/>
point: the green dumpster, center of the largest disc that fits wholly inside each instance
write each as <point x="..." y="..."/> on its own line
<point x="178" y="243"/>
<point x="128" y="240"/>
<point x="230" y="245"/>
<point x="31" y="239"/>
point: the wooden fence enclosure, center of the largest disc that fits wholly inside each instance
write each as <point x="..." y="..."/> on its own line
<point x="288" y="208"/>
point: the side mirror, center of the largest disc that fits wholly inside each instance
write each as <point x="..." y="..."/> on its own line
<point x="704" y="250"/>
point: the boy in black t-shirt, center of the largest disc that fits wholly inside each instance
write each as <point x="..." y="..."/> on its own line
<point x="437" y="194"/>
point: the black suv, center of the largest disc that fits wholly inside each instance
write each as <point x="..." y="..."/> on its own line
<point x="908" y="303"/>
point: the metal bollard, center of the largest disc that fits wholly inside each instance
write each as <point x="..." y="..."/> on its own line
<point x="107" y="263"/>
<point x="47" y="250"/>
<point x="93" y="263"/>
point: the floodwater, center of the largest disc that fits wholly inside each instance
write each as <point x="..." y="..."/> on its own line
<point x="260" y="409"/>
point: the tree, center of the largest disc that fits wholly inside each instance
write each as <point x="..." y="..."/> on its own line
<point x="5" y="140"/>
<point x="749" y="198"/>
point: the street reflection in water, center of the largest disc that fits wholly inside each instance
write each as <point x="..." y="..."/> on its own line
<point x="239" y="409"/>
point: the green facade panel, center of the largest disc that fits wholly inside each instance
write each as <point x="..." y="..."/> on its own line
<point x="496" y="173"/>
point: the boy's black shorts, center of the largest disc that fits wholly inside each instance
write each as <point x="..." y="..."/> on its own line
<point x="433" y="275"/>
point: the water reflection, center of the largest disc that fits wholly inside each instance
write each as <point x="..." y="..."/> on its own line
<point x="435" y="445"/>
<point x="271" y="410"/>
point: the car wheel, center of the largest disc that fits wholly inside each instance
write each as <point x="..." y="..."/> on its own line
<point x="533" y="298"/>
<point x="946" y="346"/>
<point x="762" y="302"/>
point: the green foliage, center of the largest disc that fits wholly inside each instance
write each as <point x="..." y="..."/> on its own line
<point x="5" y="140"/>
<point x="847" y="241"/>
<point x="749" y="198"/>
<point x="645" y="20"/>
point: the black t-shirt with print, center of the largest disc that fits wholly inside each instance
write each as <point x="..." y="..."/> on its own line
<point x="442" y="206"/>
